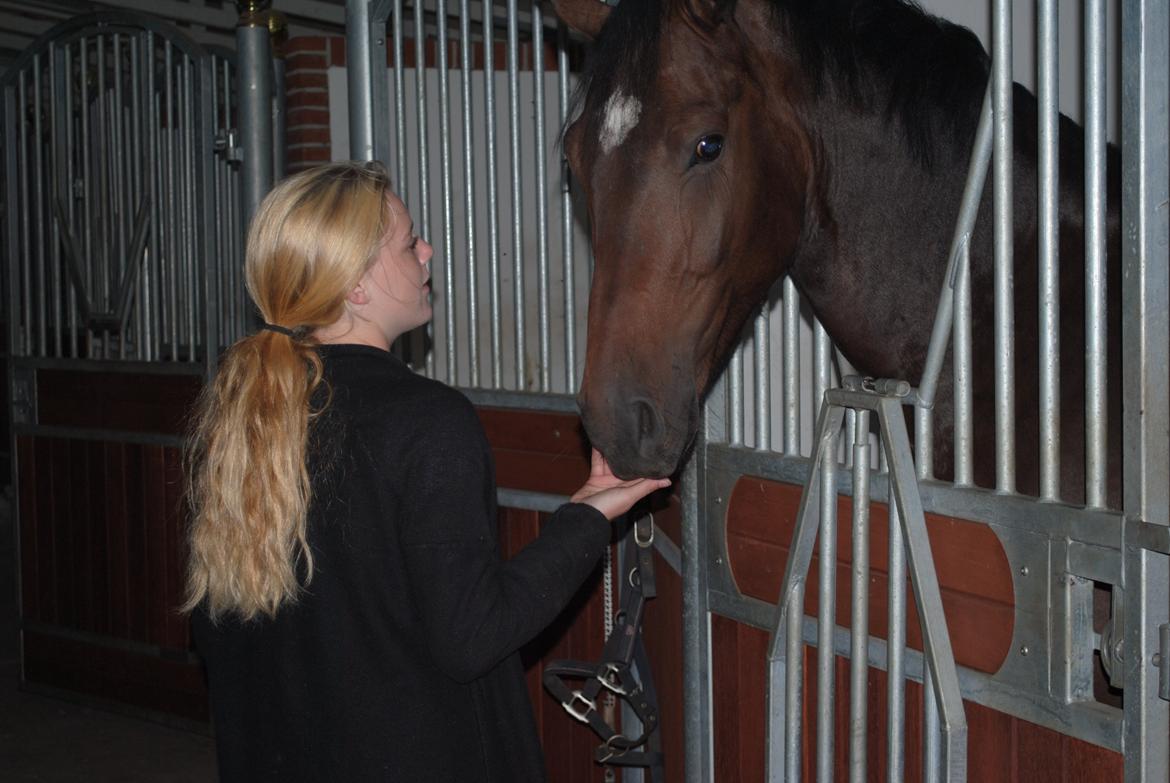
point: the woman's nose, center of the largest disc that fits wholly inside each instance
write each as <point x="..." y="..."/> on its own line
<point x="427" y="251"/>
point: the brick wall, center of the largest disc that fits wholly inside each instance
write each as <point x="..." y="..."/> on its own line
<point x="307" y="61"/>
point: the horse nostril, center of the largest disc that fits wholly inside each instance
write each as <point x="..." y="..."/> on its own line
<point x="648" y="419"/>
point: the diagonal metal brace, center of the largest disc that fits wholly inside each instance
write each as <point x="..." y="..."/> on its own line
<point x="886" y="400"/>
<point x="113" y="320"/>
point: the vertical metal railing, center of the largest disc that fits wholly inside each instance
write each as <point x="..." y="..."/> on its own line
<point x="113" y="177"/>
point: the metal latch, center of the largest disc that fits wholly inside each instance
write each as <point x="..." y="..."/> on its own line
<point x="1164" y="661"/>
<point x="226" y="145"/>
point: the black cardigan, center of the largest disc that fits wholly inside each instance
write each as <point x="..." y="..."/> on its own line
<point x="399" y="662"/>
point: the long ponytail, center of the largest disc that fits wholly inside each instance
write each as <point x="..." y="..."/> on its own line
<point x="248" y="484"/>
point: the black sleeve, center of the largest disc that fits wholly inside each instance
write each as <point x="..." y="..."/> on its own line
<point x="477" y="608"/>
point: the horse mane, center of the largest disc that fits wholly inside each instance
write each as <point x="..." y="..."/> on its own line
<point x="921" y="72"/>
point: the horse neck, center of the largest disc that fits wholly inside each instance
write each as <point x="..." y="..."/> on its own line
<point x="873" y="264"/>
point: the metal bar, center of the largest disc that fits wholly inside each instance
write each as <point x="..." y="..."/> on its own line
<point x="251" y="182"/>
<point x="1005" y="414"/>
<point x="445" y="170"/>
<point x="931" y="729"/>
<point x="794" y="683"/>
<point x="379" y="17"/>
<point x="763" y="386"/>
<point x="66" y="193"/>
<point x="963" y="378"/>
<point x="16" y="222"/>
<point x="1144" y="325"/>
<point x="795" y="573"/>
<point x="858" y="663"/>
<point x="121" y="210"/>
<point x="964" y="226"/>
<point x="465" y="55"/>
<point x="541" y="197"/>
<point x="944" y="682"/>
<point x="91" y="197"/>
<point x="25" y="317"/>
<point x="1047" y="94"/>
<point x="517" y="237"/>
<point x="698" y="753"/>
<point x="359" y="78"/>
<point x="399" y="100"/>
<point x="1096" y="415"/>
<point x="56" y="155"/>
<point x="424" y="176"/>
<point x="136" y="189"/>
<point x="827" y="575"/>
<point x="280" y="118"/>
<point x="190" y="191"/>
<point x="791" y="368"/>
<point x="735" y="397"/>
<point x="896" y="673"/>
<point x="39" y="207"/>
<point x="152" y="280"/>
<point x="489" y="97"/>
<point x="254" y="98"/>
<point x="567" y="217"/>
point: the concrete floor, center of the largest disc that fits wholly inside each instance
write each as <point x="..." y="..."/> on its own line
<point x="46" y="739"/>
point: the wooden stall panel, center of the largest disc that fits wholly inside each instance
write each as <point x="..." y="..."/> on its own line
<point x="973" y="569"/>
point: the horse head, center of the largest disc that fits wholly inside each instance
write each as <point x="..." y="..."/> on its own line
<point x="696" y="174"/>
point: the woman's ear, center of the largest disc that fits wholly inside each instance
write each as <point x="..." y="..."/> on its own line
<point x="358" y="295"/>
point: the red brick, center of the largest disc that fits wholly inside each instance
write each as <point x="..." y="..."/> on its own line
<point x="307" y="43"/>
<point x="337" y="51"/>
<point x="314" y="97"/>
<point x="313" y="61"/>
<point x="308" y="136"/>
<point x="306" y="79"/>
<point x="308" y="115"/>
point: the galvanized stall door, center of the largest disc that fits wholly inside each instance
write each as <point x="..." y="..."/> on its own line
<point x="122" y="280"/>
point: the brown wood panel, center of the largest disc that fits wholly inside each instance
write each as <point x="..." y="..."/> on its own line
<point x="133" y="479"/>
<point x="117" y="538"/>
<point x="1000" y="747"/>
<point x="115" y="400"/>
<point x="30" y="563"/>
<point x="46" y="610"/>
<point x="973" y="570"/>
<point x="177" y="628"/>
<point x="154" y="498"/>
<point x="97" y="562"/>
<point x="139" y="679"/>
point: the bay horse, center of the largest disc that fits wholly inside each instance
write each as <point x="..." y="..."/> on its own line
<point x="723" y="144"/>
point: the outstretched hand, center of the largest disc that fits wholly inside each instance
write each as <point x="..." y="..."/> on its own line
<point x="611" y="495"/>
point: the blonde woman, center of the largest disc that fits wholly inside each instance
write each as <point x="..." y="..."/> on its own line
<point x="346" y="590"/>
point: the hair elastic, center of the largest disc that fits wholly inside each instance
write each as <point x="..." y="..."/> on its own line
<point x="276" y="328"/>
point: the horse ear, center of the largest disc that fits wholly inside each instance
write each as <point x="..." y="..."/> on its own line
<point x="584" y="16"/>
<point x="709" y="13"/>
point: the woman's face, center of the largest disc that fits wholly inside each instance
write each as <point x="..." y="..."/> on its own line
<point x="397" y="282"/>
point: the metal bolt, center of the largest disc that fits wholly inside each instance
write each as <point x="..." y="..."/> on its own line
<point x="1156" y="660"/>
<point x="1023" y="570"/>
<point x="718" y="501"/>
<point x="719" y="561"/>
<point x="1024" y="650"/>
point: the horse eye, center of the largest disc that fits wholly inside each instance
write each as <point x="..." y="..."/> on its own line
<point x="709" y="147"/>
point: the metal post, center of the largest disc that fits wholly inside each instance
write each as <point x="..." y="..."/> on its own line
<point x="359" y="72"/>
<point x="698" y="761"/>
<point x="255" y="101"/>
<point x="859" y="635"/>
<point x="1005" y="414"/>
<point x="1049" y="129"/>
<point x="1096" y="415"/>
<point x="1145" y="359"/>
<point x="278" y="30"/>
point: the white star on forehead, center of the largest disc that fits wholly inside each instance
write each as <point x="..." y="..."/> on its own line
<point x="621" y="115"/>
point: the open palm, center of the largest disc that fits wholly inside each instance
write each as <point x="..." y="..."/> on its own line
<point x="611" y="495"/>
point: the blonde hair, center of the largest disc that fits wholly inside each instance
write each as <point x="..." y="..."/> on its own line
<point x="248" y="488"/>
